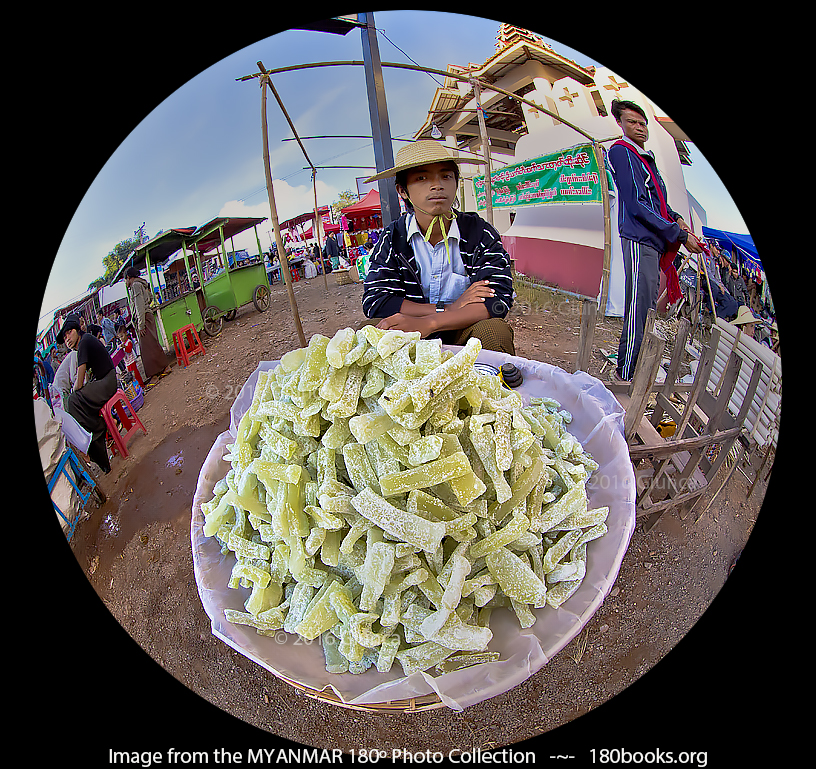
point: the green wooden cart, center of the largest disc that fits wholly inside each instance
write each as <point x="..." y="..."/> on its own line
<point x="228" y="281"/>
<point x="178" y="305"/>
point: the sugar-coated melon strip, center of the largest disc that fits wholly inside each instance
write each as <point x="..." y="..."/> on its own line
<point x="418" y="658"/>
<point x="454" y="634"/>
<point x="379" y="561"/>
<point x="516" y="579"/>
<point x="422" y="390"/>
<point x="315" y="366"/>
<point x="339" y="346"/>
<point x="429" y="474"/>
<point x="405" y="526"/>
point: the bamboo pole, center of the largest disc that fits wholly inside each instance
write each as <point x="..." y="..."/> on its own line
<point x="311" y="165"/>
<point x="477" y="93"/>
<point x="273" y="211"/>
<point x="607" y="258"/>
<point x="444" y="73"/>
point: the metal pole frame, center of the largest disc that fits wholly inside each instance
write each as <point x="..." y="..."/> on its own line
<point x="378" y="111"/>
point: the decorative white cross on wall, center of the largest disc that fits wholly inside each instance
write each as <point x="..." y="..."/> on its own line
<point x="568" y="96"/>
<point x="615" y="85"/>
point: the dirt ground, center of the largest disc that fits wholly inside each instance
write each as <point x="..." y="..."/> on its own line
<point x="134" y="552"/>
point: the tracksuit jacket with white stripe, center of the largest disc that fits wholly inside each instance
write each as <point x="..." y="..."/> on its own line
<point x="639" y="216"/>
<point x="393" y="273"/>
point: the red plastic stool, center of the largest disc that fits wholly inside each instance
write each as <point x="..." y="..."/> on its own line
<point x="127" y="419"/>
<point x="192" y="346"/>
<point x="134" y="369"/>
<point x="181" y="350"/>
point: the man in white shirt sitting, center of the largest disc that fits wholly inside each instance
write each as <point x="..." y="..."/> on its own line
<point x="436" y="270"/>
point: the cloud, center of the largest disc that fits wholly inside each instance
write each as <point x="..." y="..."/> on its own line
<point x="290" y="202"/>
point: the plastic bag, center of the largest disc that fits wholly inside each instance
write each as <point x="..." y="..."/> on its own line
<point x="74" y="432"/>
<point x="597" y="423"/>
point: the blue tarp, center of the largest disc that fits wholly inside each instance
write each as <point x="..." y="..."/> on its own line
<point x="742" y="245"/>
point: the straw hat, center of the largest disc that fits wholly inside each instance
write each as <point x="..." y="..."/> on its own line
<point x="418" y="154"/>
<point x="744" y="316"/>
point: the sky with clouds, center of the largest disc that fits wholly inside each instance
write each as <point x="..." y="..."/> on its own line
<point x="198" y="154"/>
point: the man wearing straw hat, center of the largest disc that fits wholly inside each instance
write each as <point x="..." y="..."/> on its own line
<point x="437" y="270"/>
<point x="752" y="326"/>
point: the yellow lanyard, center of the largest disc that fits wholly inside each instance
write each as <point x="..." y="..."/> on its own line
<point x="441" y="219"/>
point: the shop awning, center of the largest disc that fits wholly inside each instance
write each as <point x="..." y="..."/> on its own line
<point x="369" y="205"/>
<point x="303" y="218"/>
<point x="327" y="227"/>
<point x="734" y="243"/>
<point x="208" y="236"/>
<point x="108" y="295"/>
<point x="160" y="248"/>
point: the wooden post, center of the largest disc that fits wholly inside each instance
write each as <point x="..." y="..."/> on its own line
<point x="477" y="92"/>
<point x="607" y="258"/>
<point x="589" y="311"/>
<point x="651" y="352"/>
<point x="273" y="211"/>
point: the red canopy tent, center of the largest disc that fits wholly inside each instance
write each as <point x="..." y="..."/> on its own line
<point x="368" y="206"/>
<point x="327" y="227"/>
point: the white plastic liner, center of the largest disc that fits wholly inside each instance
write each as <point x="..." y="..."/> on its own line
<point x="597" y="423"/>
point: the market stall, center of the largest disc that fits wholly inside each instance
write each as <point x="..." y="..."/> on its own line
<point x="741" y="247"/>
<point x="227" y="284"/>
<point x="361" y="223"/>
<point x="740" y="250"/>
<point x="181" y="304"/>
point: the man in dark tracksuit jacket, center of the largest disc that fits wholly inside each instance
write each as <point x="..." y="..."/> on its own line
<point x="646" y="234"/>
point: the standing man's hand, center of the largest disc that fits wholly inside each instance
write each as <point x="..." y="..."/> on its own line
<point x="693" y="245"/>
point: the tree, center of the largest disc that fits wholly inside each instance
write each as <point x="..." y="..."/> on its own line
<point x="114" y="260"/>
<point x="346" y="199"/>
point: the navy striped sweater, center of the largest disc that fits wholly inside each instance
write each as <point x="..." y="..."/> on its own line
<point x="393" y="272"/>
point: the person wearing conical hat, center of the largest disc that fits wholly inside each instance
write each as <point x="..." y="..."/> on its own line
<point x="437" y="270"/>
<point x="746" y="319"/>
<point x="750" y="325"/>
<point x="775" y="337"/>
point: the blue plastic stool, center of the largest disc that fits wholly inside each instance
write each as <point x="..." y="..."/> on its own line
<point x="70" y="459"/>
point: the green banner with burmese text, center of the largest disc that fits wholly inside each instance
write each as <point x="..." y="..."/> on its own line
<point x="566" y="176"/>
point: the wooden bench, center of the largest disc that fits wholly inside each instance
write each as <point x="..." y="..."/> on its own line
<point x="722" y="404"/>
<point x="762" y="420"/>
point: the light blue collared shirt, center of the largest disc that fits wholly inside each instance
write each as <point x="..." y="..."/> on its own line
<point x="441" y="281"/>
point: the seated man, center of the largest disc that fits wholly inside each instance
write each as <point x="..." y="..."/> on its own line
<point x="436" y="270"/>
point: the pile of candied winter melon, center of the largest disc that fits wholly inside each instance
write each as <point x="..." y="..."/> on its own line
<point x="384" y="497"/>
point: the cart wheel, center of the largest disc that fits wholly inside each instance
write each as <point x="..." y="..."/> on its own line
<point x="230" y="314"/>
<point x="260" y="298"/>
<point x="213" y="320"/>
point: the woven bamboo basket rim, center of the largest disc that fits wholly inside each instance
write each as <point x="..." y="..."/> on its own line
<point x="410" y="705"/>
